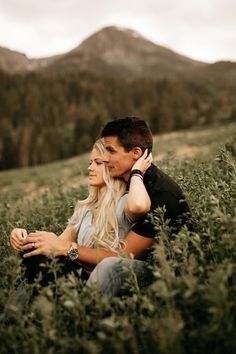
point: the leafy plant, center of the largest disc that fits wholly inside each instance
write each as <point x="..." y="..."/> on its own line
<point x="189" y="307"/>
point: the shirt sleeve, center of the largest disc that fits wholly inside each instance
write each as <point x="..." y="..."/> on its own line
<point x="175" y="211"/>
<point x="73" y="220"/>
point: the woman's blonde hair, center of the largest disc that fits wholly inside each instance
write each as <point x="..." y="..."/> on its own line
<point x="106" y="228"/>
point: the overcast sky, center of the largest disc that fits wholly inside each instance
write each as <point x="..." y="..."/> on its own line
<point x="201" y="29"/>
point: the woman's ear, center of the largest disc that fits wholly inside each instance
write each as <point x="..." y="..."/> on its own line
<point x="137" y="152"/>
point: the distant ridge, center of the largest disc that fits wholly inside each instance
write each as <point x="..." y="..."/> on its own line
<point x="110" y="51"/>
<point x="13" y="61"/>
<point x="113" y="51"/>
<point x="118" y="52"/>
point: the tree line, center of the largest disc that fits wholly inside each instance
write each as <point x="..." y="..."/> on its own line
<point x="46" y="117"/>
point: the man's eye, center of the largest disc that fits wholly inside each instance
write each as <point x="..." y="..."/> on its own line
<point x="110" y="150"/>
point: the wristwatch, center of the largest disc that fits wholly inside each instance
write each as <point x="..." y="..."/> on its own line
<point x="73" y="252"/>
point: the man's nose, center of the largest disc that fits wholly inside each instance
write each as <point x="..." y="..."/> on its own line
<point x="105" y="157"/>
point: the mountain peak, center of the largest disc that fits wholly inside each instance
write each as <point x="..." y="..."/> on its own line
<point x="112" y="50"/>
<point x="119" y="29"/>
<point x="124" y="51"/>
<point x="111" y="37"/>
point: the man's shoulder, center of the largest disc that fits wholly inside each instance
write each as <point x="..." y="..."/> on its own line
<point x="158" y="181"/>
<point x="154" y="174"/>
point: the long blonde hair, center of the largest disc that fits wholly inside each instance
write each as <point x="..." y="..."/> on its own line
<point x="106" y="228"/>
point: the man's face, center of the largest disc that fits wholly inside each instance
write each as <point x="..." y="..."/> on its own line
<point x="118" y="160"/>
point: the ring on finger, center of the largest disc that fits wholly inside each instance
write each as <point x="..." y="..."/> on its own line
<point x="33" y="244"/>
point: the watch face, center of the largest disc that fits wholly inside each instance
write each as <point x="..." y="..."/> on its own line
<point x="73" y="253"/>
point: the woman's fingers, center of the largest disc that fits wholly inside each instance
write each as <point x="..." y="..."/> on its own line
<point x="16" y="246"/>
<point x="15" y="242"/>
<point x="24" y="233"/>
<point x="18" y="234"/>
<point x="21" y="233"/>
<point x="145" y="154"/>
<point x="31" y="244"/>
<point x="34" y="242"/>
<point x="35" y="252"/>
<point x="27" y="246"/>
<point x="149" y="158"/>
<point x="143" y="162"/>
<point x="35" y="234"/>
<point x="33" y="237"/>
<point x="147" y="161"/>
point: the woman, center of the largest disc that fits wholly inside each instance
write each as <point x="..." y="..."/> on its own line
<point x="99" y="224"/>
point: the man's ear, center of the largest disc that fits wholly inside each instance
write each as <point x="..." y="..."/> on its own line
<point x="137" y="152"/>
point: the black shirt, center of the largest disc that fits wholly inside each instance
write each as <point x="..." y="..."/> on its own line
<point x="163" y="191"/>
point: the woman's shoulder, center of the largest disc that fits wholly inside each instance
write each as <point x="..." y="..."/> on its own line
<point x="122" y="199"/>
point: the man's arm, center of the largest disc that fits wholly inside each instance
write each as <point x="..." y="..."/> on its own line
<point x="134" y="244"/>
<point x="138" y="202"/>
<point x="137" y="244"/>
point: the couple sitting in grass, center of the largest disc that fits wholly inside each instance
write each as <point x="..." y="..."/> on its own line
<point x="109" y="235"/>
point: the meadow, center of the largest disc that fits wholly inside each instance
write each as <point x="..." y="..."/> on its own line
<point x="190" y="305"/>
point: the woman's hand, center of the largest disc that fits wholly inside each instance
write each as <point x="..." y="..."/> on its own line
<point x="44" y="243"/>
<point x="144" y="162"/>
<point x="17" y="237"/>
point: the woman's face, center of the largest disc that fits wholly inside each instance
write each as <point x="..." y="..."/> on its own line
<point x="96" y="169"/>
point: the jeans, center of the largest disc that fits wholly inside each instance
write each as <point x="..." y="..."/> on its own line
<point x="36" y="264"/>
<point x="113" y="273"/>
<point x="33" y="266"/>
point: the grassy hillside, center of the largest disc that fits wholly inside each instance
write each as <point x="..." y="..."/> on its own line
<point x="190" y="305"/>
<point x="202" y="143"/>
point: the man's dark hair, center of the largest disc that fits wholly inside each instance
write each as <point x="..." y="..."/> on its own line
<point x="130" y="131"/>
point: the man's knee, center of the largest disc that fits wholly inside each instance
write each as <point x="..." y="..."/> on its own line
<point x="103" y="267"/>
<point x="112" y="267"/>
<point x="111" y="273"/>
<point x="108" y="262"/>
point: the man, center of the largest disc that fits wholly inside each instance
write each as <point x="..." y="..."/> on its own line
<point x="126" y="139"/>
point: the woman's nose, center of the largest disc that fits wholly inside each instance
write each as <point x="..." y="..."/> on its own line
<point x="90" y="167"/>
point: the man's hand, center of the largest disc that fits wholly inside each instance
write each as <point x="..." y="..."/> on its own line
<point x="44" y="243"/>
<point x="144" y="162"/>
<point x="17" y="237"/>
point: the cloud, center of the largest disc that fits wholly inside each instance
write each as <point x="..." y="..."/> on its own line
<point x="41" y="28"/>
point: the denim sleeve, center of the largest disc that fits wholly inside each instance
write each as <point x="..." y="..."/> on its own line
<point x="125" y="223"/>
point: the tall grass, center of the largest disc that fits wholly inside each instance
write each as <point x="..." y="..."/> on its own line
<point x="190" y="305"/>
